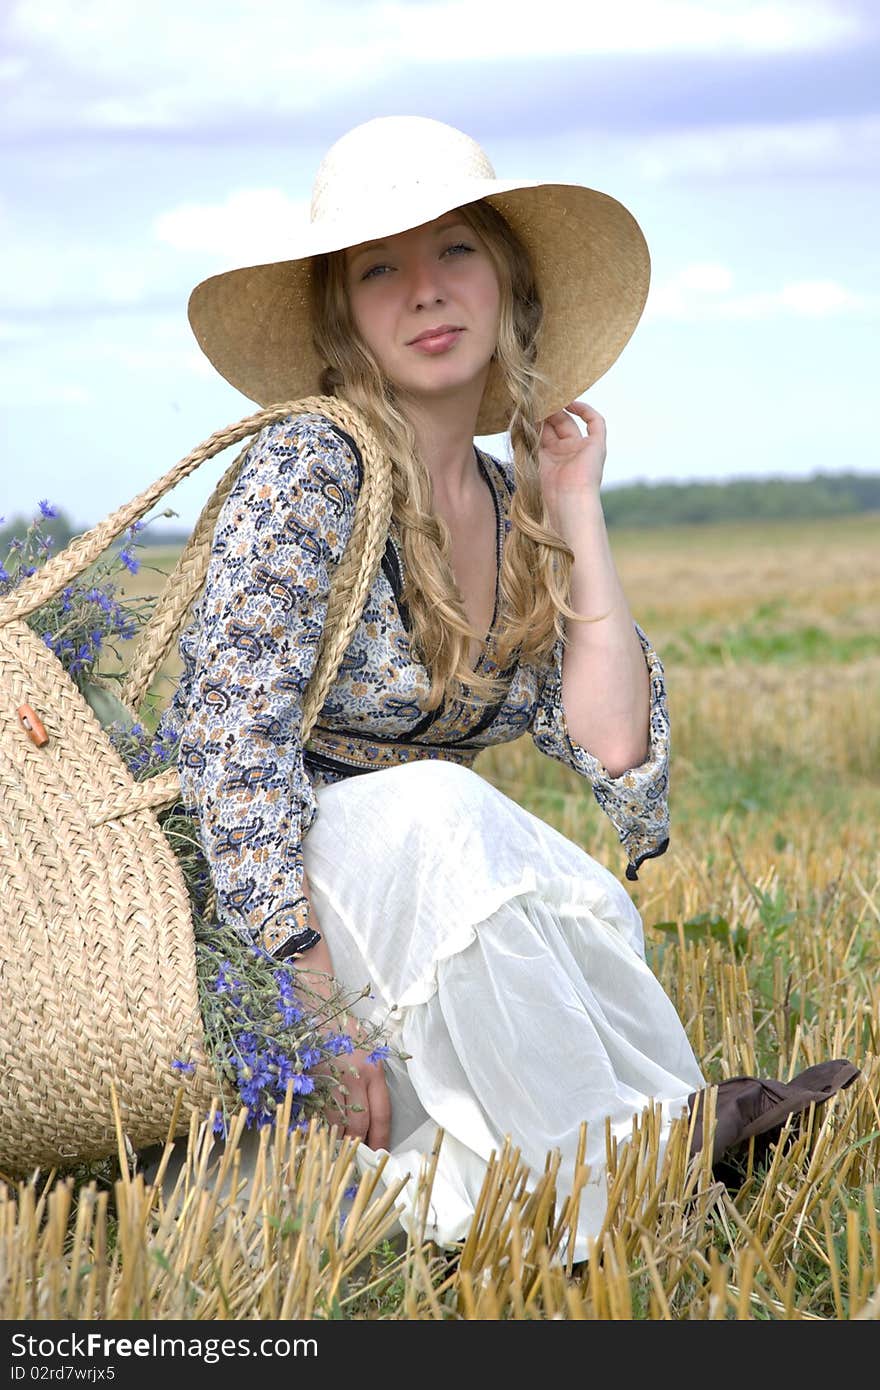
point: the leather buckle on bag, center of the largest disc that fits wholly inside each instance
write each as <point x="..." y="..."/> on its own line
<point x="36" y="729"/>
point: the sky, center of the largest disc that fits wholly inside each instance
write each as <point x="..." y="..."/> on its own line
<point x="145" y="147"/>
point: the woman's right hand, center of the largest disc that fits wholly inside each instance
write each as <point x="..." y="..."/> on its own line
<point x="364" y="1112"/>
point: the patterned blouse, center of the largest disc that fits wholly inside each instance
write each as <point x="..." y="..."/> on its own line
<point x="250" y="651"/>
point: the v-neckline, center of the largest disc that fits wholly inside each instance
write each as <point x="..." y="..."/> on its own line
<point x="486" y="472"/>
<point x="499" y="544"/>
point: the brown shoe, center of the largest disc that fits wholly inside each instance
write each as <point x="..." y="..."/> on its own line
<point x="749" y="1107"/>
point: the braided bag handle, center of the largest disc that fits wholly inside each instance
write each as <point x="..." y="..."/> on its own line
<point x="352" y="579"/>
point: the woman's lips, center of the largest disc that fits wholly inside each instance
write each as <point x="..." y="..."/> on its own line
<point x="439" y="343"/>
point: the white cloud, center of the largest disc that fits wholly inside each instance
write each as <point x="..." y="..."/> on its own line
<point x="706" y="278"/>
<point x="12" y="68"/>
<point x="198" y="364"/>
<point x="507" y="27"/>
<point x="686" y="294"/>
<point x="45" y="272"/>
<point x="71" y="364"/>
<point x="701" y="292"/>
<point x="18" y="332"/>
<point x="813" y="299"/>
<point x="817" y="298"/>
<point x="208" y="59"/>
<point x="252" y="225"/>
<point x="759" y="149"/>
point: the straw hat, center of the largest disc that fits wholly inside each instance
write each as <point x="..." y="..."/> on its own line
<point x="397" y="172"/>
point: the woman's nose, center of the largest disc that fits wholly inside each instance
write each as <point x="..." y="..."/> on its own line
<point x="425" y="284"/>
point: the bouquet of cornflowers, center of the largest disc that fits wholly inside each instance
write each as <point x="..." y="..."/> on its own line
<point x="265" y="1030"/>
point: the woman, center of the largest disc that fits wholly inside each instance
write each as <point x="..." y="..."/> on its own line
<point x="445" y="304"/>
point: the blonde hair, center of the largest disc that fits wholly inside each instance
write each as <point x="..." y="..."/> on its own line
<point x="535" y="579"/>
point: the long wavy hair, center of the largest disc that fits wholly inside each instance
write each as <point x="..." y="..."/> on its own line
<point x="535" y="579"/>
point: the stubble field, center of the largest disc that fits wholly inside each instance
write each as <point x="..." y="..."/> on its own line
<point x="763" y="922"/>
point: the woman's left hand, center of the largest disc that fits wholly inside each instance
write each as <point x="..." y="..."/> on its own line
<point x="571" y="463"/>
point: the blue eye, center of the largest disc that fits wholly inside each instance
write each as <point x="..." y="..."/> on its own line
<point x="376" y="270"/>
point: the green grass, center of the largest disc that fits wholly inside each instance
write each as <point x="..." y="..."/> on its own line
<point x="755" y="642"/>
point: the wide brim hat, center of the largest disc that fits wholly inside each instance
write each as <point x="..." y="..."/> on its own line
<point x="394" y="173"/>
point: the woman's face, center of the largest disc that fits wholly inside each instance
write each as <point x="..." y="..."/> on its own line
<point x="430" y="276"/>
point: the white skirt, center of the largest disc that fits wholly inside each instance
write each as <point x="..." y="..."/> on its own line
<point x="509" y="964"/>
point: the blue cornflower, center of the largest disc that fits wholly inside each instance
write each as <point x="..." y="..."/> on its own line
<point x="250" y="1093"/>
<point x="285" y="1069"/>
<point x="227" y="984"/>
<point x="219" y="1125"/>
<point x="4" y="574"/>
<point x="253" y="1077"/>
<point x="338" y="1043"/>
<point x="351" y="1192"/>
<point x="47" y="510"/>
<point x="103" y="601"/>
<point x="248" y="1043"/>
<point x="187" y="1067"/>
<point x="131" y="563"/>
<point x="289" y="1006"/>
<point x="379" y="1053"/>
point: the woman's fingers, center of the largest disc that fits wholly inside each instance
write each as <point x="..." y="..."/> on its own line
<point x="363" y="1111"/>
<point x="594" y="421"/>
<point x="562" y="425"/>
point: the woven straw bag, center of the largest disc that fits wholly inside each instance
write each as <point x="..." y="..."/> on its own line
<point x="97" y="954"/>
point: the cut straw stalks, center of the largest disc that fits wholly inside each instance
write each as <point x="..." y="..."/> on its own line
<point x="675" y="1243"/>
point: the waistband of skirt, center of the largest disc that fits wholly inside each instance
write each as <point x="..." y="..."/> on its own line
<point x="358" y="753"/>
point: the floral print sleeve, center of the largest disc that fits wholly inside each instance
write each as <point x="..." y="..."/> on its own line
<point x="248" y="656"/>
<point x="637" y="801"/>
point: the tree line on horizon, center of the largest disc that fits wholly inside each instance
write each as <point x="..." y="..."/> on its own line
<point x="643" y="504"/>
<point x="820" y="496"/>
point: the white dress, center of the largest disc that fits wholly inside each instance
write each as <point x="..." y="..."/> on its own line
<point x="509" y="964"/>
